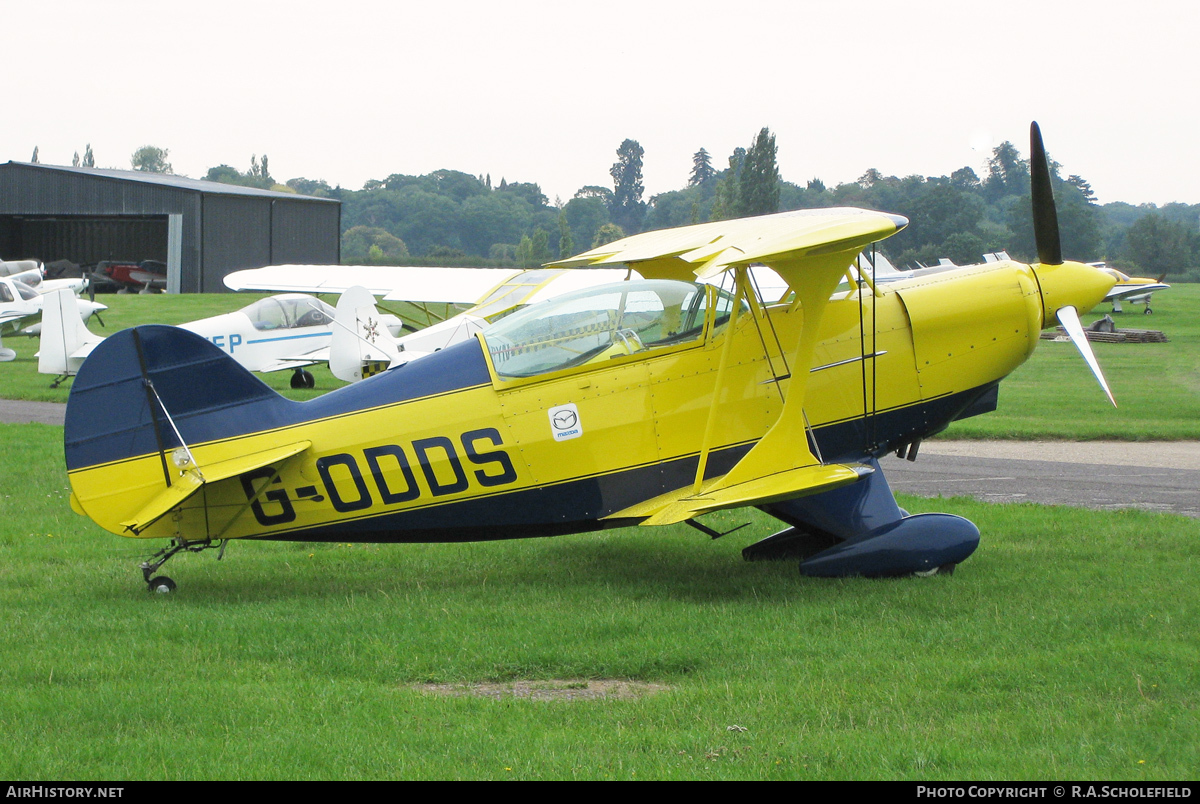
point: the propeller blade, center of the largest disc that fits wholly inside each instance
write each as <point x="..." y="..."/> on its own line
<point x="1045" y="217"/>
<point x="1069" y="318"/>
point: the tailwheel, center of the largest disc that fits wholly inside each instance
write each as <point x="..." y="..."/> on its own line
<point x="303" y="379"/>
<point x="161" y="584"/>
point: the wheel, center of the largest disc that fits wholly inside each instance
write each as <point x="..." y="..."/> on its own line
<point x="162" y="585"/>
<point x="303" y="379"/>
<point x="1148" y="310"/>
<point x="945" y="569"/>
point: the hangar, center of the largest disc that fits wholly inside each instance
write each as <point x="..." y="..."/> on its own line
<point x="201" y="230"/>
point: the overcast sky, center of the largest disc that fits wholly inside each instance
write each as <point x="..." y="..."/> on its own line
<point x="532" y="90"/>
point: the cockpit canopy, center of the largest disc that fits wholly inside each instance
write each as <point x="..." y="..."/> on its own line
<point x="288" y="312"/>
<point x="593" y="325"/>
<point x="24" y="291"/>
<point x="1120" y="276"/>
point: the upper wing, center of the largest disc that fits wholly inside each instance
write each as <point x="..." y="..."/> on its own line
<point x="707" y="249"/>
<point x="401" y="283"/>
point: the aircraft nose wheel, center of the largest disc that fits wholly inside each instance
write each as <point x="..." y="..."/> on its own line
<point x="303" y="379"/>
<point x="162" y="585"/>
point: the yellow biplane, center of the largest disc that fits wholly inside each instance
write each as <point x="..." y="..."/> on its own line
<point x="645" y="402"/>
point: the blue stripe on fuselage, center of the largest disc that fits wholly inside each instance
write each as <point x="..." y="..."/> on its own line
<point x="291" y="337"/>
<point x="211" y="397"/>
<point x="578" y="504"/>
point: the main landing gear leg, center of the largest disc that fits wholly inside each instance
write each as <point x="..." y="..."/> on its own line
<point x="162" y="584"/>
<point x="859" y="530"/>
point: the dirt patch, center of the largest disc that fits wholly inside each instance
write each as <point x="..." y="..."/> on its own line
<point x="550" y="690"/>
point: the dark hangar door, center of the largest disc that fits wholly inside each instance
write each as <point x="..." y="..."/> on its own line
<point x="83" y="240"/>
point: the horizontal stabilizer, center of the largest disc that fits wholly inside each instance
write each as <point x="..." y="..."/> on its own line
<point x="192" y="479"/>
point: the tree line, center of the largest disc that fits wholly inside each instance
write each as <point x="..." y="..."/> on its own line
<point x="452" y="217"/>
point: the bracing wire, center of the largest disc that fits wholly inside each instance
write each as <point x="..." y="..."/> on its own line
<point x="758" y="302"/>
<point x="787" y="371"/>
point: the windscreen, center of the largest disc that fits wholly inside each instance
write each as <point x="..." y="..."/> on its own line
<point x="289" y="312"/>
<point x="597" y="324"/>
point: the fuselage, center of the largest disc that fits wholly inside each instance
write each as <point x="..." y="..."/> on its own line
<point x="21" y="302"/>
<point x="269" y="331"/>
<point x="449" y="448"/>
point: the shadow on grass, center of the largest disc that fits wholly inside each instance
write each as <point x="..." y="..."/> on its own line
<point x="629" y="563"/>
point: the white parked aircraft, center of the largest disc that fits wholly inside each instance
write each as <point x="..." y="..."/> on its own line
<point x="289" y="331"/>
<point x="20" y="268"/>
<point x="492" y="293"/>
<point x="21" y="307"/>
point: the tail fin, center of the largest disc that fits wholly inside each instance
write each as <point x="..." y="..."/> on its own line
<point x="146" y="389"/>
<point x="66" y="340"/>
<point x="155" y="415"/>
<point x="361" y="345"/>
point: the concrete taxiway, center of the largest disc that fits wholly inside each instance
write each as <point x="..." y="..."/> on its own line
<point x="1161" y="476"/>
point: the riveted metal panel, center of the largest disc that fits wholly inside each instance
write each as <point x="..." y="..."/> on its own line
<point x="304" y="233"/>
<point x="87" y="214"/>
<point x="237" y="235"/>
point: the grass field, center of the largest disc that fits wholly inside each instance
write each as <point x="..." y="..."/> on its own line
<point x="1065" y="648"/>
<point x="1052" y="396"/>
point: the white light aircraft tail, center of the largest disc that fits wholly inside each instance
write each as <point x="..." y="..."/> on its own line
<point x="361" y="345"/>
<point x="66" y="340"/>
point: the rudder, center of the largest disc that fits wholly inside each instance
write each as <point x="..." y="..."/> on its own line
<point x="140" y="385"/>
<point x="63" y="334"/>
